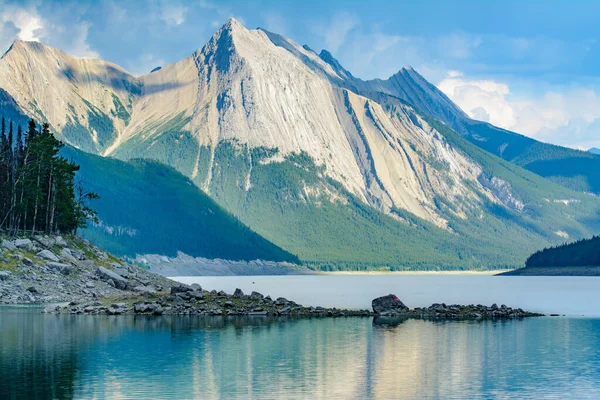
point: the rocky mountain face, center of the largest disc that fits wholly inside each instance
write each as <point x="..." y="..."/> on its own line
<point x="574" y="169"/>
<point x="282" y="136"/>
<point x="247" y="88"/>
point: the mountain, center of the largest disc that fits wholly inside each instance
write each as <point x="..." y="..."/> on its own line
<point x="146" y="207"/>
<point x="594" y="150"/>
<point x="574" y="169"/>
<point x="342" y="173"/>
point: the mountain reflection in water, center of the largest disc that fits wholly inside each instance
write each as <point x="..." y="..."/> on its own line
<point x="182" y="357"/>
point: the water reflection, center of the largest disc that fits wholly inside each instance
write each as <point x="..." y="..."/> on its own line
<point x="182" y="357"/>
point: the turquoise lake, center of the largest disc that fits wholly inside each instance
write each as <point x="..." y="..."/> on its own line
<point x="182" y="357"/>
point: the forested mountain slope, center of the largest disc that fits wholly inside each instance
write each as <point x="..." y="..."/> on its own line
<point x="146" y="207"/>
<point x="585" y="252"/>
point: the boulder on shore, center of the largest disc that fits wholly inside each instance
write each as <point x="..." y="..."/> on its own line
<point x="62" y="268"/>
<point x="24" y="244"/>
<point x="181" y="289"/>
<point x="108" y="275"/>
<point x="388" y="305"/>
<point x="48" y="255"/>
<point x="8" y="244"/>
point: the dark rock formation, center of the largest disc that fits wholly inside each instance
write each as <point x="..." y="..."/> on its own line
<point x="388" y="305"/>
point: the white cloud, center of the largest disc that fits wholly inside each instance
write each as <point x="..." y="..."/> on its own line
<point x="26" y="20"/>
<point x="569" y="117"/>
<point x="25" y="23"/>
<point x="19" y="23"/>
<point x="275" y="23"/>
<point x="172" y="13"/>
<point x="457" y="45"/>
<point x="337" y="31"/>
<point x="72" y="39"/>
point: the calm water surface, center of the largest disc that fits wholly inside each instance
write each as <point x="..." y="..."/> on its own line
<point x="49" y="356"/>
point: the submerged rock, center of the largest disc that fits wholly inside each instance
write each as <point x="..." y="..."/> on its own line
<point x="388" y="305"/>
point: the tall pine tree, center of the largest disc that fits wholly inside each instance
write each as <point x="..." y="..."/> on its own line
<point x="37" y="190"/>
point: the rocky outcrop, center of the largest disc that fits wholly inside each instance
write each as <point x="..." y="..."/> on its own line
<point x="388" y="305"/>
<point x="112" y="278"/>
<point x="64" y="269"/>
<point x="502" y="191"/>
<point x="27" y="275"/>
<point x="105" y="285"/>
<point x="181" y="300"/>
<point x="47" y="255"/>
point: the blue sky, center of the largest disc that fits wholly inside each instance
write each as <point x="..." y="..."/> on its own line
<point x="529" y="66"/>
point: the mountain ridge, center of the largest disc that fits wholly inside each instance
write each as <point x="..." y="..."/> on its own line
<point x="264" y="125"/>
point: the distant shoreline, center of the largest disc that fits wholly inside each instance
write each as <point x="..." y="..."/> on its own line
<point x="554" y="271"/>
<point x="469" y="272"/>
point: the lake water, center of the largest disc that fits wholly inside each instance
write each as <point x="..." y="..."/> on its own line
<point x="182" y="357"/>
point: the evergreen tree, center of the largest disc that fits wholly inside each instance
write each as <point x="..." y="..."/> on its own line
<point x="37" y="190"/>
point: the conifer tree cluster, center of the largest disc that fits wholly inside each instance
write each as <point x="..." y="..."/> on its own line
<point x="584" y="252"/>
<point x="38" y="192"/>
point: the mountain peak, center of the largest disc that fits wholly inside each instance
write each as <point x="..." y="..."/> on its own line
<point x="20" y="46"/>
<point x="335" y="64"/>
<point x="233" y="25"/>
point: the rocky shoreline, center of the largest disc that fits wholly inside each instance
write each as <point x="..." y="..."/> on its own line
<point x="192" y="300"/>
<point x="57" y="269"/>
<point x="75" y="277"/>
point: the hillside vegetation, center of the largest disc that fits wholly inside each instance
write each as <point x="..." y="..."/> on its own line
<point x="147" y="207"/>
<point x="585" y="252"/>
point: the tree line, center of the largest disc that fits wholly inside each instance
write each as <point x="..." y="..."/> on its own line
<point x="38" y="192"/>
<point x="585" y="252"/>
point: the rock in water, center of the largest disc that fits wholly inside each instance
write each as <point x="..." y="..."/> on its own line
<point x="388" y="305"/>
<point x="238" y="294"/>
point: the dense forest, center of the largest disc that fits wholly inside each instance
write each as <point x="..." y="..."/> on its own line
<point x="585" y="252"/>
<point x="38" y="192"/>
